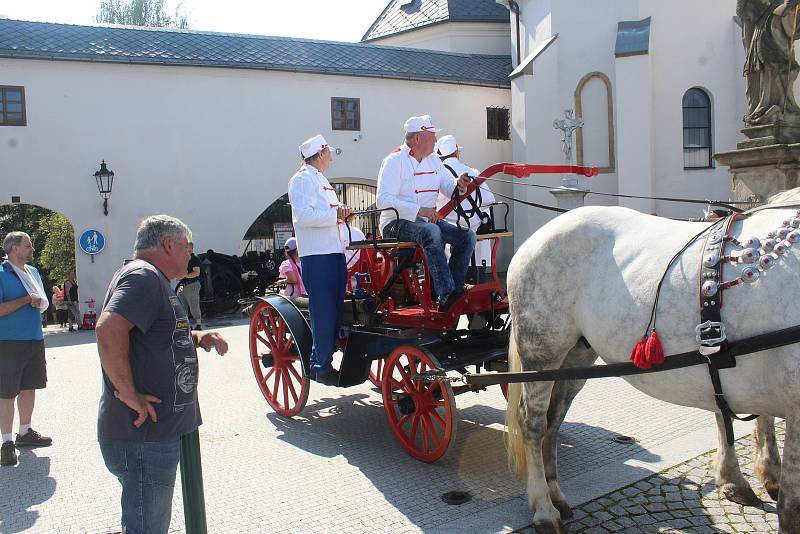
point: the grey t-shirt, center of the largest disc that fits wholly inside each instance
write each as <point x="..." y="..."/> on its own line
<point x="162" y="356"/>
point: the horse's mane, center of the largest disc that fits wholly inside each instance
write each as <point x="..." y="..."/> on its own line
<point x="785" y="196"/>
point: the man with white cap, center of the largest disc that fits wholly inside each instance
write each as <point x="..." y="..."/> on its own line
<point x="449" y="151"/>
<point x="410" y="181"/>
<point x="318" y="216"/>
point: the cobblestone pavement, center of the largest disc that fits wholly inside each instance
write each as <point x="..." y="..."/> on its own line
<point x="337" y="466"/>
<point x="682" y="499"/>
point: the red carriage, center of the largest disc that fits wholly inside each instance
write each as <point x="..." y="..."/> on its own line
<point x="392" y="332"/>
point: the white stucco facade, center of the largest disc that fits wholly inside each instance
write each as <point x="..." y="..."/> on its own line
<point x="211" y="146"/>
<point x="691" y="44"/>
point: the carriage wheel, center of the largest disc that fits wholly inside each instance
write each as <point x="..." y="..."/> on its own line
<point x="276" y="362"/>
<point x="421" y="414"/>
<point x="376" y="372"/>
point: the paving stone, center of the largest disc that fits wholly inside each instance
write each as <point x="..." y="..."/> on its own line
<point x="662" y="516"/>
<point x="655" y="507"/>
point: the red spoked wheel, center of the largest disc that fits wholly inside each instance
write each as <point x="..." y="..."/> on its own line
<point x="421" y="414"/>
<point x="276" y="362"/>
<point x="376" y="372"/>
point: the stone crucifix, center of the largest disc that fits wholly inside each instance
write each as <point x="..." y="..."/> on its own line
<point x="567" y="125"/>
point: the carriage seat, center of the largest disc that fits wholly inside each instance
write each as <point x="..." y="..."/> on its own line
<point x="483" y="237"/>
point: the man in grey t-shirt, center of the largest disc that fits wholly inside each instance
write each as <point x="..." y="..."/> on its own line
<point x="149" y="362"/>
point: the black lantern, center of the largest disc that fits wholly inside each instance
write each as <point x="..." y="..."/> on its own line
<point x="105" y="181"/>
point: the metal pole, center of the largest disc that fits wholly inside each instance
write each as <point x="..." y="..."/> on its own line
<point x="194" y="503"/>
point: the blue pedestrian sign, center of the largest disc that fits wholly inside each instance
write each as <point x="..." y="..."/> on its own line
<point x="92" y="242"/>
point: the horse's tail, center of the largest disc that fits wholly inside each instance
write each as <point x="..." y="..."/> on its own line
<point x="515" y="444"/>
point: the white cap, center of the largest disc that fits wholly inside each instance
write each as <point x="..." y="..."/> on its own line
<point x="314" y="146"/>
<point x="419" y="124"/>
<point x="447" y="145"/>
<point x="291" y="244"/>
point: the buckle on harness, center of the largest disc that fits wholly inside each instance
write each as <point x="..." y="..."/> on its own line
<point x="710" y="335"/>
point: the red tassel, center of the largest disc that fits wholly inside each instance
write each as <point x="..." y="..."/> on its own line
<point x="653" y="351"/>
<point x="638" y="355"/>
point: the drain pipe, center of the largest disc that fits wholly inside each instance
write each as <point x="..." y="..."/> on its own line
<point x="514" y="6"/>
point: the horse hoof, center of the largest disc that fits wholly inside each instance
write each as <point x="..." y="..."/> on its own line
<point x="563" y="509"/>
<point x="548" y="527"/>
<point x="743" y="495"/>
<point x="773" y="488"/>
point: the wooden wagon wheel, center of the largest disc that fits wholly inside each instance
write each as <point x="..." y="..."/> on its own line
<point x="276" y="361"/>
<point x="376" y="372"/>
<point x="421" y="414"/>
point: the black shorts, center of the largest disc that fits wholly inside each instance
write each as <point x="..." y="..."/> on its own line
<point x="22" y="367"/>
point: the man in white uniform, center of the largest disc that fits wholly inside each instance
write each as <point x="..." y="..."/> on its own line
<point x="409" y="181"/>
<point x="449" y="151"/>
<point x="317" y="216"/>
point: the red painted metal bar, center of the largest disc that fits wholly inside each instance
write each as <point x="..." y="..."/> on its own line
<point x="518" y="170"/>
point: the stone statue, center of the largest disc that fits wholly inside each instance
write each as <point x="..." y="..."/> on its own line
<point x="769" y="29"/>
<point x="568" y="125"/>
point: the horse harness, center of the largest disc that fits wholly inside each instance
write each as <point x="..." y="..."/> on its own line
<point x="715" y="350"/>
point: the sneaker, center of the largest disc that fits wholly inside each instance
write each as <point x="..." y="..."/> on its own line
<point x="33" y="439"/>
<point x="330" y="378"/>
<point x="8" y="454"/>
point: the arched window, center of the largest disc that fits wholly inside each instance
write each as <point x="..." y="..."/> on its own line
<point x="696" y="130"/>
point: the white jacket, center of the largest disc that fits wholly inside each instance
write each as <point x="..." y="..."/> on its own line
<point x="408" y="185"/>
<point x="483" y="249"/>
<point x="314" y="204"/>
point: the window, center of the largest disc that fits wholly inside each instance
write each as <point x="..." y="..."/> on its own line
<point x="497" y="123"/>
<point x="696" y="130"/>
<point x="345" y="113"/>
<point x="12" y="106"/>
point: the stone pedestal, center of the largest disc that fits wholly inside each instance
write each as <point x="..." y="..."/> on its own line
<point x="569" y="197"/>
<point x="778" y="133"/>
<point x="761" y="171"/>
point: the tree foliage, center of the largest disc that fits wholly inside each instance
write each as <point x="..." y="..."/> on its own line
<point x="151" y="13"/>
<point x="51" y="234"/>
<point x="58" y="253"/>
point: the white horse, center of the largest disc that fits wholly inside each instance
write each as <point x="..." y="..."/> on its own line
<point x="593" y="273"/>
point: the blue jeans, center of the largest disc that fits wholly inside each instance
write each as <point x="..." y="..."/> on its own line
<point x="147" y="474"/>
<point x="432" y="237"/>
<point x="325" y="278"/>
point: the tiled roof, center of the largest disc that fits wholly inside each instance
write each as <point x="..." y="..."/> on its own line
<point x="121" y="44"/>
<point x="406" y="15"/>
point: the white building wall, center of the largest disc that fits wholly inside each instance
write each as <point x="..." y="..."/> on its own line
<point x="635" y="127"/>
<point x="459" y="37"/>
<point x="704" y="53"/>
<point x="692" y="44"/>
<point x="213" y="147"/>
